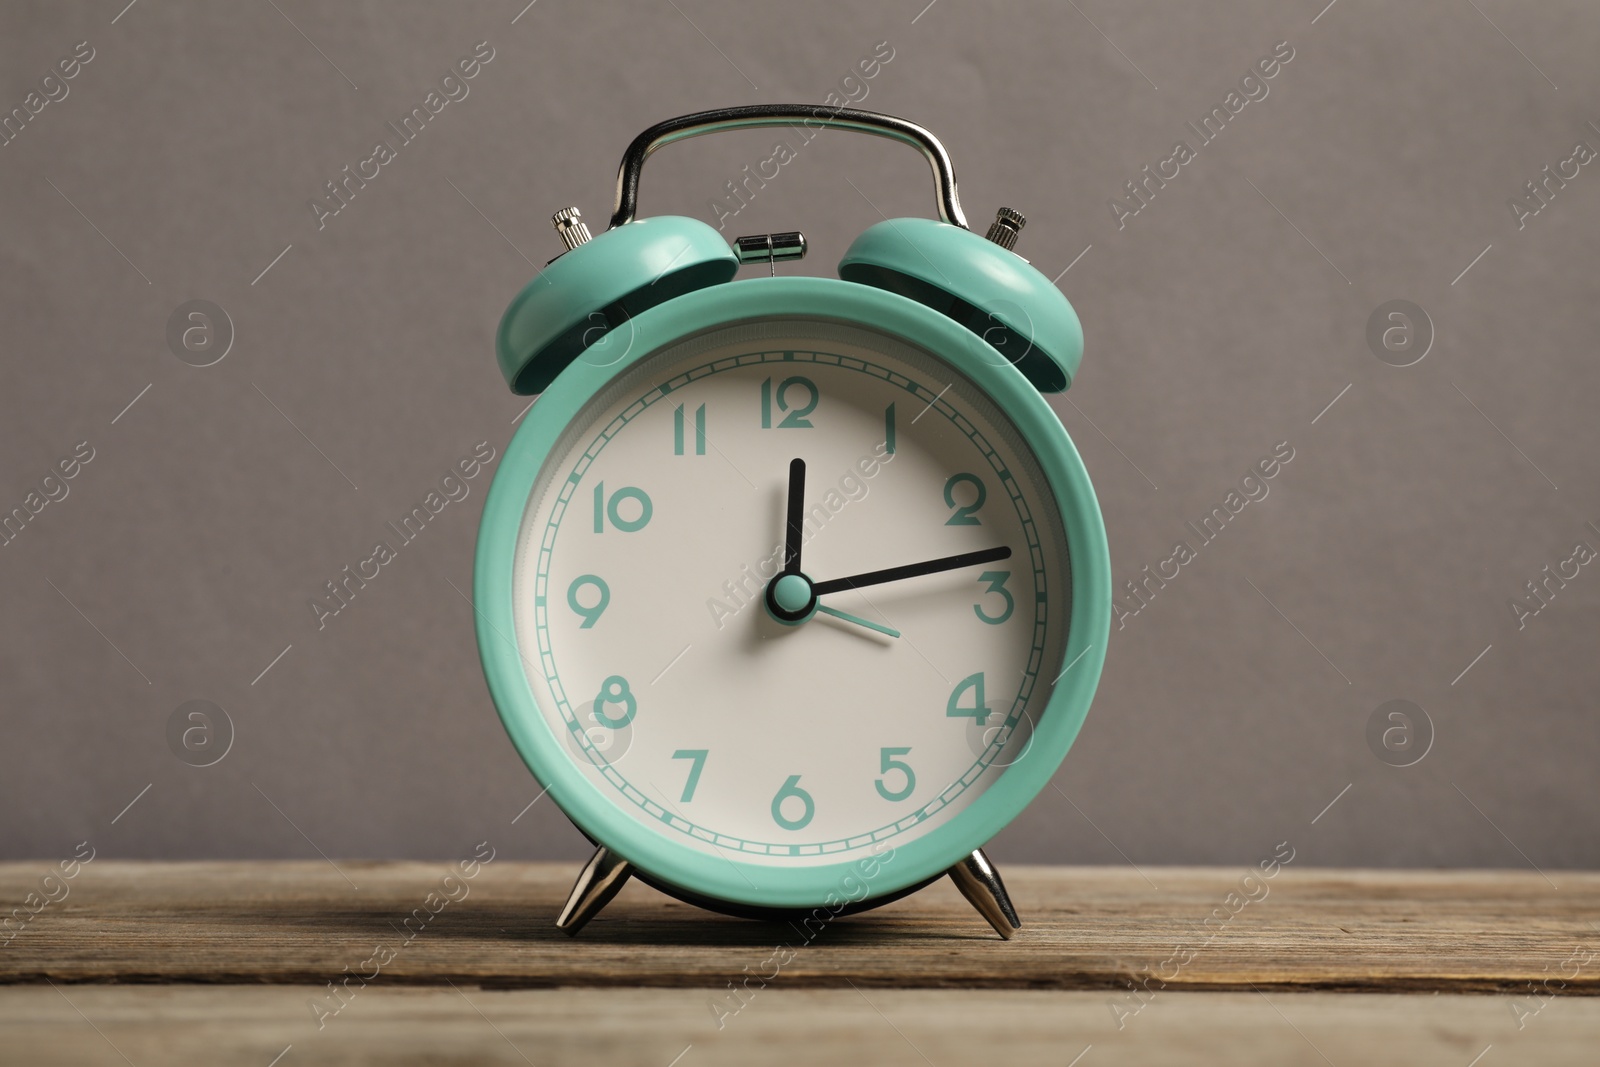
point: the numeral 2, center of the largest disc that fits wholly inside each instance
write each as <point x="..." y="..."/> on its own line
<point x="965" y="514"/>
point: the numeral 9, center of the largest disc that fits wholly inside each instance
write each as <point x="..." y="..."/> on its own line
<point x="590" y="615"/>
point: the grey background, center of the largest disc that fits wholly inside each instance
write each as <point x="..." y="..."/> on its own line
<point x="1222" y="320"/>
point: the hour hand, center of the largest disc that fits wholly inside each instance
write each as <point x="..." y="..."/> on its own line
<point x="912" y="570"/>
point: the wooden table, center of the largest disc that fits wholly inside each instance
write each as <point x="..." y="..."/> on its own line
<point x="230" y="963"/>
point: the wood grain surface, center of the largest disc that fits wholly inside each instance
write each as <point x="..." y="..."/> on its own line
<point x="1084" y="929"/>
<point x="238" y="1026"/>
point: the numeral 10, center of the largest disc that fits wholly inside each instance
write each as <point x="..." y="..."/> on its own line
<point x="604" y="508"/>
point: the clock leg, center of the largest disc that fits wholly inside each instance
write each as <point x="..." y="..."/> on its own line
<point x="980" y="883"/>
<point x="602" y="877"/>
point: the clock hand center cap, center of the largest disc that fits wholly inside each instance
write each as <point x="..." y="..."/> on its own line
<point x="790" y="598"/>
<point x="792" y="592"/>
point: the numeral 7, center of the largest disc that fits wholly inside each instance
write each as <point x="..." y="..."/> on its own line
<point x="699" y="757"/>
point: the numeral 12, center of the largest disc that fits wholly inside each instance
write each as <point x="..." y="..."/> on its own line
<point x="796" y="417"/>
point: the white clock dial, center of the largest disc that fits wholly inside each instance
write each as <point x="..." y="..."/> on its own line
<point x="660" y="517"/>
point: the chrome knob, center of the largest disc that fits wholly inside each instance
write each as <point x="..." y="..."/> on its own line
<point x="570" y="225"/>
<point x="1005" y="227"/>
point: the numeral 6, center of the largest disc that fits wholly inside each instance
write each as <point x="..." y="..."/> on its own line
<point x="791" y="788"/>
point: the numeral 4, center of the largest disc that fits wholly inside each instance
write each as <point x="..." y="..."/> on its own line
<point x="978" y="711"/>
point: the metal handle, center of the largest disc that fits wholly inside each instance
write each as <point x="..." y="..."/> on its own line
<point x="757" y="115"/>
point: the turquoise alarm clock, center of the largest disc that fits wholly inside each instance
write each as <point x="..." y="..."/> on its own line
<point x="792" y="592"/>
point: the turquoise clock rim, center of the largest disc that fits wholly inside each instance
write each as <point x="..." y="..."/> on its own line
<point x="727" y="877"/>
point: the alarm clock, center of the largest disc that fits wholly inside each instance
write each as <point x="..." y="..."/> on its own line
<point x="791" y="591"/>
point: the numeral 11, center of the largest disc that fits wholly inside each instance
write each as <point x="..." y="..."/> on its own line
<point x="699" y="430"/>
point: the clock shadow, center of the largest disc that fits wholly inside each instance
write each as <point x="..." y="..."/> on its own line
<point x="647" y="914"/>
<point x="693" y="928"/>
<point x="476" y="936"/>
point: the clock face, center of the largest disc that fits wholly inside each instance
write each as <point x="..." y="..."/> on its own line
<point x="876" y="709"/>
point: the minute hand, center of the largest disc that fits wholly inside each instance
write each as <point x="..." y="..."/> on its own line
<point x="912" y="570"/>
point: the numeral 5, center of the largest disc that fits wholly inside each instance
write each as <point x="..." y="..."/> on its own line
<point x="887" y="763"/>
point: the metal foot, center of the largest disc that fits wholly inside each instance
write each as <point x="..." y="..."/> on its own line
<point x="980" y="883"/>
<point x="604" y="875"/>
